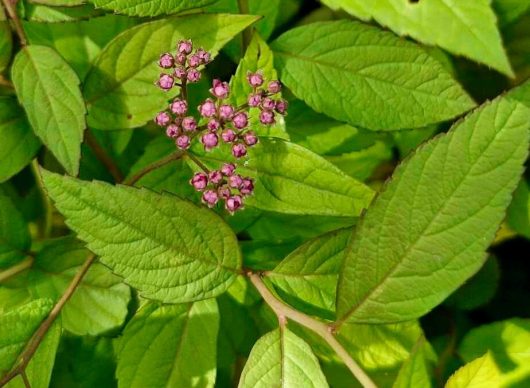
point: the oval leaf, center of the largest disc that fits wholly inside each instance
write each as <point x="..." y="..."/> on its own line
<point x="150" y="8"/>
<point x="480" y="373"/>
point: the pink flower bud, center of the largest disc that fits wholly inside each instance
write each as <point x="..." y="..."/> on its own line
<point x="181" y="58"/>
<point x="210" y="198"/>
<point x="235" y="181"/>
<point x="281" y="106"/>
<point x="210" y="140"/>
<point x="165" y="81"/>
<point x="194" y="75"/>
<point x="189" y="124"/>
<point x="228" y="136"/>
<point x="267" y="117"/>
<point x="185" y="46"/>
<point x="254" y="100"/>
<point x="194" y="60"/>
<point x="240" y="120"/>
<point x="162" y="118"/>
<point x="172" y="130"/>
<point x="183" y="142"/>
<point x="166" y="61"/>
<point x="250" y="138"/>
<point x="228" y="169"/>
<point x="247" y="186"/>
<point x="233" y="203"/>
<point x="255" y="79"/>
<point x="239" y="150"/>
<point x="207" y="108"/>
<point x="180" y="73"/>
<point x="199" y="181"/>
<point x="179" y="107"/>
<point x="204" y="56"/>
<point x="274" y="87"/>
<point x="224" y="192"/>
<point x="215" y="177"/>
<point x="268" y="103"/>
<point x="213" y="125"/>
<point x="220" y="89"/>
<point x="226" y="111"/>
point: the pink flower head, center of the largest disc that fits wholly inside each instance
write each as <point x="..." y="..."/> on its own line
<point x="235" y="181"/>
<point x="215" y="177"/>
<point x="239" y="150"/>
<point x="165" y="82"/>
<point x="267" y="117"/>
<point x="224" y="192"/>
<point x="228" y="169"/>
<point x="281" y="106"/>
<point x="180" y="72"/>
<point x="179" y="107"/>
<point x="220" y="89"/>
<point x="166" y="61"/>
<point x="255" y="79"/>
<point x="213" y="125"/>
<point x="172" y="130"/>
<point x="207" y="108"/>
<point x="185" y="46"/>
<point x="240" y="120"/>
<point x="247" y="186"/>
<point x="233" y="203"/>
<point x="204" y="56"/>
<point x="254" y="100"/>
<point x="189" y="124"/>
<point x="199" y="181"/>
<point x="194" y="60"/>
<point x="228" y="136"/>
<point x="268" y="103"/>
<point x="250" y="138"/>
<point x="162" y="119"/>
<point x="210" y="140"/>
<point x="274" y="87"/>
<point x="226" y="111"/>
<point x="183" y="142"/>
<point x="180" y="58"/>
<point x="194" y="75"/>
<point x="210" y="198"/>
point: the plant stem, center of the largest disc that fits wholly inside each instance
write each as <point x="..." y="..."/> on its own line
<point x="46" y="225"/>
<point x="17" y="268"/>
<point x="146" y="170"/>
<point x="284" y="311"/>
<point x="103" y="156"/>
<point x="38" y="336"/>
<point x="6" y="83"/>
<point x="16" y="21"/>
<point x="247" y="32"/>
<point x="196" y="160"/>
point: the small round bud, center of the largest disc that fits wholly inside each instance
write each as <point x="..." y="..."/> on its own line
<point x="235" y="181"/>
<point x="226" y="111"/>
<point x="162" y="119"/>
<point x="183" y="142"/>
<point x="233" y="203"/>
<point x="240" y="120"/>
<point x="165" y="82"/>
<point x="210" y="140"/>
<point x="213" y="125"/>
<point x="267" y="117"/>
<point x="228" y="136"/>
<point x="180" y="73"/>
<point x="281" y="106"/>
<point x="210" y="198"/>
<point x="189" y="124"/>
<point x="179" y="107"/>
<point x="180" y="58"/>
<point x="207" y="108"/>
<point x="199" y="181"/>
<point x="194" y="60"/>
<point x="239" y="150"/>
<point x="204" y="56"/>
<point x="247" y="186"/>
<point x="215" y="177"/>
<point x="194" y="75"/>
<point x="228" y="169"/>
<point x="224" y="192"/>
<point x="274" y="87"/>
<point x="250" y="138"/>
<point x="172" y="130"/>
<point x="220" y="89"/>
<point x="254" y="100"/>
<point x="255" y="79"/>
<point x="268" y="103"/>
<point x="166" y="61"/>
<point x="185" y="46"/>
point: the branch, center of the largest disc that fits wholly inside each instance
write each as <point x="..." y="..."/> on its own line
<point x="46" y="225"/>
<point x="38" y="336"/>
<point x="103" y="156"/>
<point x="199" y="164"/>
<point x="16" y="21"/>
<point x="16" y="269"/>
<point x="146" y="170"/>
<point x="284" y="311"/>
<point x="6" y="83"/>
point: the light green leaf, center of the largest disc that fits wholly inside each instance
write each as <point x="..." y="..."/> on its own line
<point x="168" y="248"/>
<point x="6" y="41"/>
<point x="463" y="28"/>
<point x="509" y="344"/>
<point x="19" y="145"/>
<point x="49" y="91"/>
<point x="428" y="230"/>
<point x="119" y="89"/>
<point x="151" y="7"/>
<point x="365" y="76"/>
<point x="42" y="13"/>
<point x="281" y="359"/>
<point x="14" y="234"/>
<point x="169" y="346"/>
<point x="257" y="57"/>
<point x="406" y="141"/>
<point x="518" y="215"/>
<point x="480" y="373"/>
<point x="18" y="325"/>
<point x="416" y="371"/>
<point x="307" y="278"/>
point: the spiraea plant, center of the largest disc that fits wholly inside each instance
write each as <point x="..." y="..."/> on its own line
<point x="221" y="193"/>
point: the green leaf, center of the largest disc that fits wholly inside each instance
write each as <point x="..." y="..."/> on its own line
<point x="362" y="164"/>
<point x="427" y="231"/>
<point x="43" y="13"/>
<point x="417" y="369"/>
<point x="119" y="89"/>
<point x="365" y="76"/>
<point x="19" y="145"/>
<point x="169" y="346"/>
<point x="518" y="215"/>
<point x="6" y="41"/>
<point x="281" y="359"/>
<point x="49" y="91"/>
<point x="462" y="28"/>
<point x="406" y="141"/>
<point x="14" y="234"/>
<point x="18" y="325"/>
<point x="509" y="344"/>
<point x="479" y="373"/>
<point x="150" y="8"/>
<point x="168" y="248"/>
<point x="307" y="278"/>
<point x="509" y="11"/>
<point x="59" y="3"/>
<point x="257" y="57"/>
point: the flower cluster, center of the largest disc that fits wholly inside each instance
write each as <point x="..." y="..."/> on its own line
<point x="219" y="122"/>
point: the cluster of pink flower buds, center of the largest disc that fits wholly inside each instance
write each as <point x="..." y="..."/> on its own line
<point x="263" y="97"/>
<point x="223" y="184"/>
